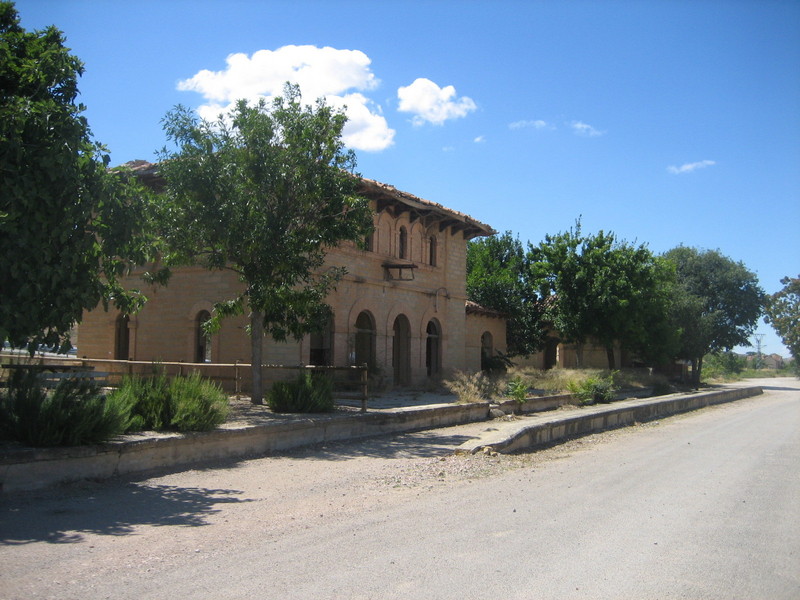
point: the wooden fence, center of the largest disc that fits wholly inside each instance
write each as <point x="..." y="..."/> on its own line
<point x="349" y="382"/>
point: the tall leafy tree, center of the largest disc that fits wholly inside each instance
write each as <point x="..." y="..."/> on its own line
<point x="499" y="277"/>
<point x="65" y="221"/>
<point x="717" y="304"/>
<point x="606" y="290"/>
<point x="263" y="191"/>
<point x="783" y="313"/>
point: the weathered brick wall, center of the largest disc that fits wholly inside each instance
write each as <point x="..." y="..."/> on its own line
<point x="477" y="325"/>
<point x="166" y="328"/>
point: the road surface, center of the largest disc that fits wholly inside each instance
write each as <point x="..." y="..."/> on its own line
<point x="703" y="505"/>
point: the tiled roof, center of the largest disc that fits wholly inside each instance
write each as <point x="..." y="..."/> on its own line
<point x="387" y="197"/>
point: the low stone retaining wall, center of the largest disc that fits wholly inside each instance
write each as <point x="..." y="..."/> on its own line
<point x="35" y="468"/>
<point x="536" y="404"/>
<point x="546" y="429"/>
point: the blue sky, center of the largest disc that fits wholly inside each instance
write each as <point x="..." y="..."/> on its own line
<point x="666" y="122"/>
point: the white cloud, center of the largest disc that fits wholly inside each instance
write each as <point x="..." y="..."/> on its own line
<point x="480" y="139"/>
<point x="537" y="124"/>
<point x="581" y="128"/>
<point x="431" y="104"/>
<point x="689" y="167"/>
<point x="336" y="75"/>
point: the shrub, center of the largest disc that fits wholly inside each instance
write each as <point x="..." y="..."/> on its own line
<point x="593" y="389"/>
<point x="74" y="414"/>
<point x="149" y="397"/>
<point x="309" y="393"/>
<point x="472" y="387"/>
<point x="517" y="389"/>
<point x="181" y="404"/>
<point x="196" y="404"/>
<point x="497" y="364"/>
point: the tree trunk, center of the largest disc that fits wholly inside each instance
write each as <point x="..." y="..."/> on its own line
<point x="579" y="355"/>
<point x="610" y="355"/>
<point x="256" y="338"/>
<point x="699" y="373"/>
<point x="696" y="366"/>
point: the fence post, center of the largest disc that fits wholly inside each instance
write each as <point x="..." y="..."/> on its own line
<point x="364" y="384"/>
<point x="237" y="384"/>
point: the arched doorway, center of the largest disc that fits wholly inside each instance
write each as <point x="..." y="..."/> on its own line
<point x="202" y="342"/>
<point x="433" y="348"/>
<point x="364" y="343"/>
<point x="551" y="353"/>
<point x="487" y="350"/>
<point x="321" y="347"/>
<point x="122" y="338"/>
<point x="401" y="350"/>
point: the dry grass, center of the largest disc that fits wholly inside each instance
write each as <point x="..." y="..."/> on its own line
<point x="480" y="387"/>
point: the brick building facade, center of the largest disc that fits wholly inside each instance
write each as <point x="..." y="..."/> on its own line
<point x="401" y="308"/>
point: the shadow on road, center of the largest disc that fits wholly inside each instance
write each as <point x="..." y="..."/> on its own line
<point x="116" y="511"/>
<point x="422" y="444"/>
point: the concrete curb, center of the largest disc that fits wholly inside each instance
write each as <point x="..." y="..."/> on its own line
<point x="546" y="429"/>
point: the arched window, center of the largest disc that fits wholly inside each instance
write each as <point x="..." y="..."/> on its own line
<point x="402" y="243"/>
<point x="432" y="251"/>
<point x="433" y="348"/>
<point x="487" y="349"/>
<point x="321" y="342"/>
<point x="401" y="350"/>
<point x="202" y="342"/>
<point x="369" y="242"/>
<point x="122" y="338"/>
<point x="364" y="346"/>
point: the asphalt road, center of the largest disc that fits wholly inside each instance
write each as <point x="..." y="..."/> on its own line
<point x="704" y="505"/>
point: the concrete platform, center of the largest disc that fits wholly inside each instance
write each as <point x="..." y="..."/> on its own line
<point x="256" y="432"/>
<point x="547" y="428"/>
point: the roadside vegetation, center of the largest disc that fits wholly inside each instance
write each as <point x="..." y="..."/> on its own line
<point x="586" y="385"/>
<point x="78" y="412"/>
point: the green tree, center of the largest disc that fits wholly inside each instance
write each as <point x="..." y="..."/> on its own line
<point x="783" y="313"/>
<point x="263" y="191"/>
<point x="606" y="290"/>
<point x="716" y="306"/>
<point x="65" y="221"/>
<point x="499" y="277"/>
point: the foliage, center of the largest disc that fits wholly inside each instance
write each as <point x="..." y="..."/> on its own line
<point x="594" y="389"/>
<point x="717" y="303"/>
<point x="783" y="313"/>
<point x="66" y="223"/>
<point x="499" y="363"/>
<point x="149" y="399"/>
<point x="197" y="404"/>
<point x="499" y="277"/>
<point x="723" y="364"/>
<point x="606" y="290"/>
<point x="158" y="403"/>
<point x="264" y="191"/>
<point x="309" y="393"/>
<point x="472" y="387"/>
<point x="74" y="414"/>
<point x="517" y="389"/>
